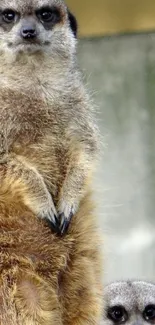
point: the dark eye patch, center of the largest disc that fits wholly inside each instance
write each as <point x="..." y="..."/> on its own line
<point x="8" y="18"/>
<point x="117" y="314"/>
<point x="47" y="15"/>
<point x="149" y="313"/>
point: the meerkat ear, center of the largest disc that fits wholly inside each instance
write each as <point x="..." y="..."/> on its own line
<point x="73" y="23"/>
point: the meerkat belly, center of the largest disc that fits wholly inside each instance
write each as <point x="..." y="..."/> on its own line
<point x="28" y="129"/>
<point x="22" y="119"/>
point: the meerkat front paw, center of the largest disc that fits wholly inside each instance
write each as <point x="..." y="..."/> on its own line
<point x="48" y="213"/>
<point x="65" y="214"/>
<point x="45" y="209"/>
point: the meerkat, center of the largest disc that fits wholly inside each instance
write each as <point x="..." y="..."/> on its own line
<point x="47" y="279"/>
<point x="129" y="302"/>
<point x="48" y="138"/>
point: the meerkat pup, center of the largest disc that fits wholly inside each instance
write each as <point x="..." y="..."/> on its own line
<point x="48" y="141"/>
<point x="129" y="302"/>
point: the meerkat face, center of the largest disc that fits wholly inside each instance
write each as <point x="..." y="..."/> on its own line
<point x="37" y="25"/>
<point x="129" y="303"/>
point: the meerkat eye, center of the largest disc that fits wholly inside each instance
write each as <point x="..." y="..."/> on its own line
<point x="149" y="313"/>
<point x="117" y="314"/>
<point x="8" y="15"/>
<point x="47" y="15"/>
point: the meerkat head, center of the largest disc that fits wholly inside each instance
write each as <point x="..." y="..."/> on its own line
<point x="30" y="26"/>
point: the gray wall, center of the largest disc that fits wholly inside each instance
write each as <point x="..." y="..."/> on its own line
<point x="120" y="71"/>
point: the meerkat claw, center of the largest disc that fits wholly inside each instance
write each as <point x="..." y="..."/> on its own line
<point x="53" y="224"/>
<point x="49" y="214"/>
<point x="64" y="222"/>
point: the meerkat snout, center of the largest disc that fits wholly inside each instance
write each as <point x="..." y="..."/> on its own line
<point x="28" y="31"/>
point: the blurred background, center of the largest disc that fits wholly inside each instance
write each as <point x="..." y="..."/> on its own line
<point x="116" y="53"/>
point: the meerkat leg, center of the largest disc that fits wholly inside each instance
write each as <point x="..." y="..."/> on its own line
<point x="72" y="191"/>
<point x="69" y="201"/>
<point x="33" y="191"/>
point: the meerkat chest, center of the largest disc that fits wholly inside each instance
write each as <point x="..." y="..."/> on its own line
<point x="23" y="119"/>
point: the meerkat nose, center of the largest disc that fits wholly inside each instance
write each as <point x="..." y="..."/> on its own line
<point x="28" y="32"/>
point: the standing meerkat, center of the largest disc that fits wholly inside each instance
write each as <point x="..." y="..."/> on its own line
<point x="48" y="140"/>
<point x="129" y="302"/>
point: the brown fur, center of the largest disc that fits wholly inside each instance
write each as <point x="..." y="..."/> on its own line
<point x="46" y="279"/>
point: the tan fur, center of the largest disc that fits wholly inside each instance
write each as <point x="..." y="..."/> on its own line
<point x="48" y="139"/>
<point x="46" y="279"/>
